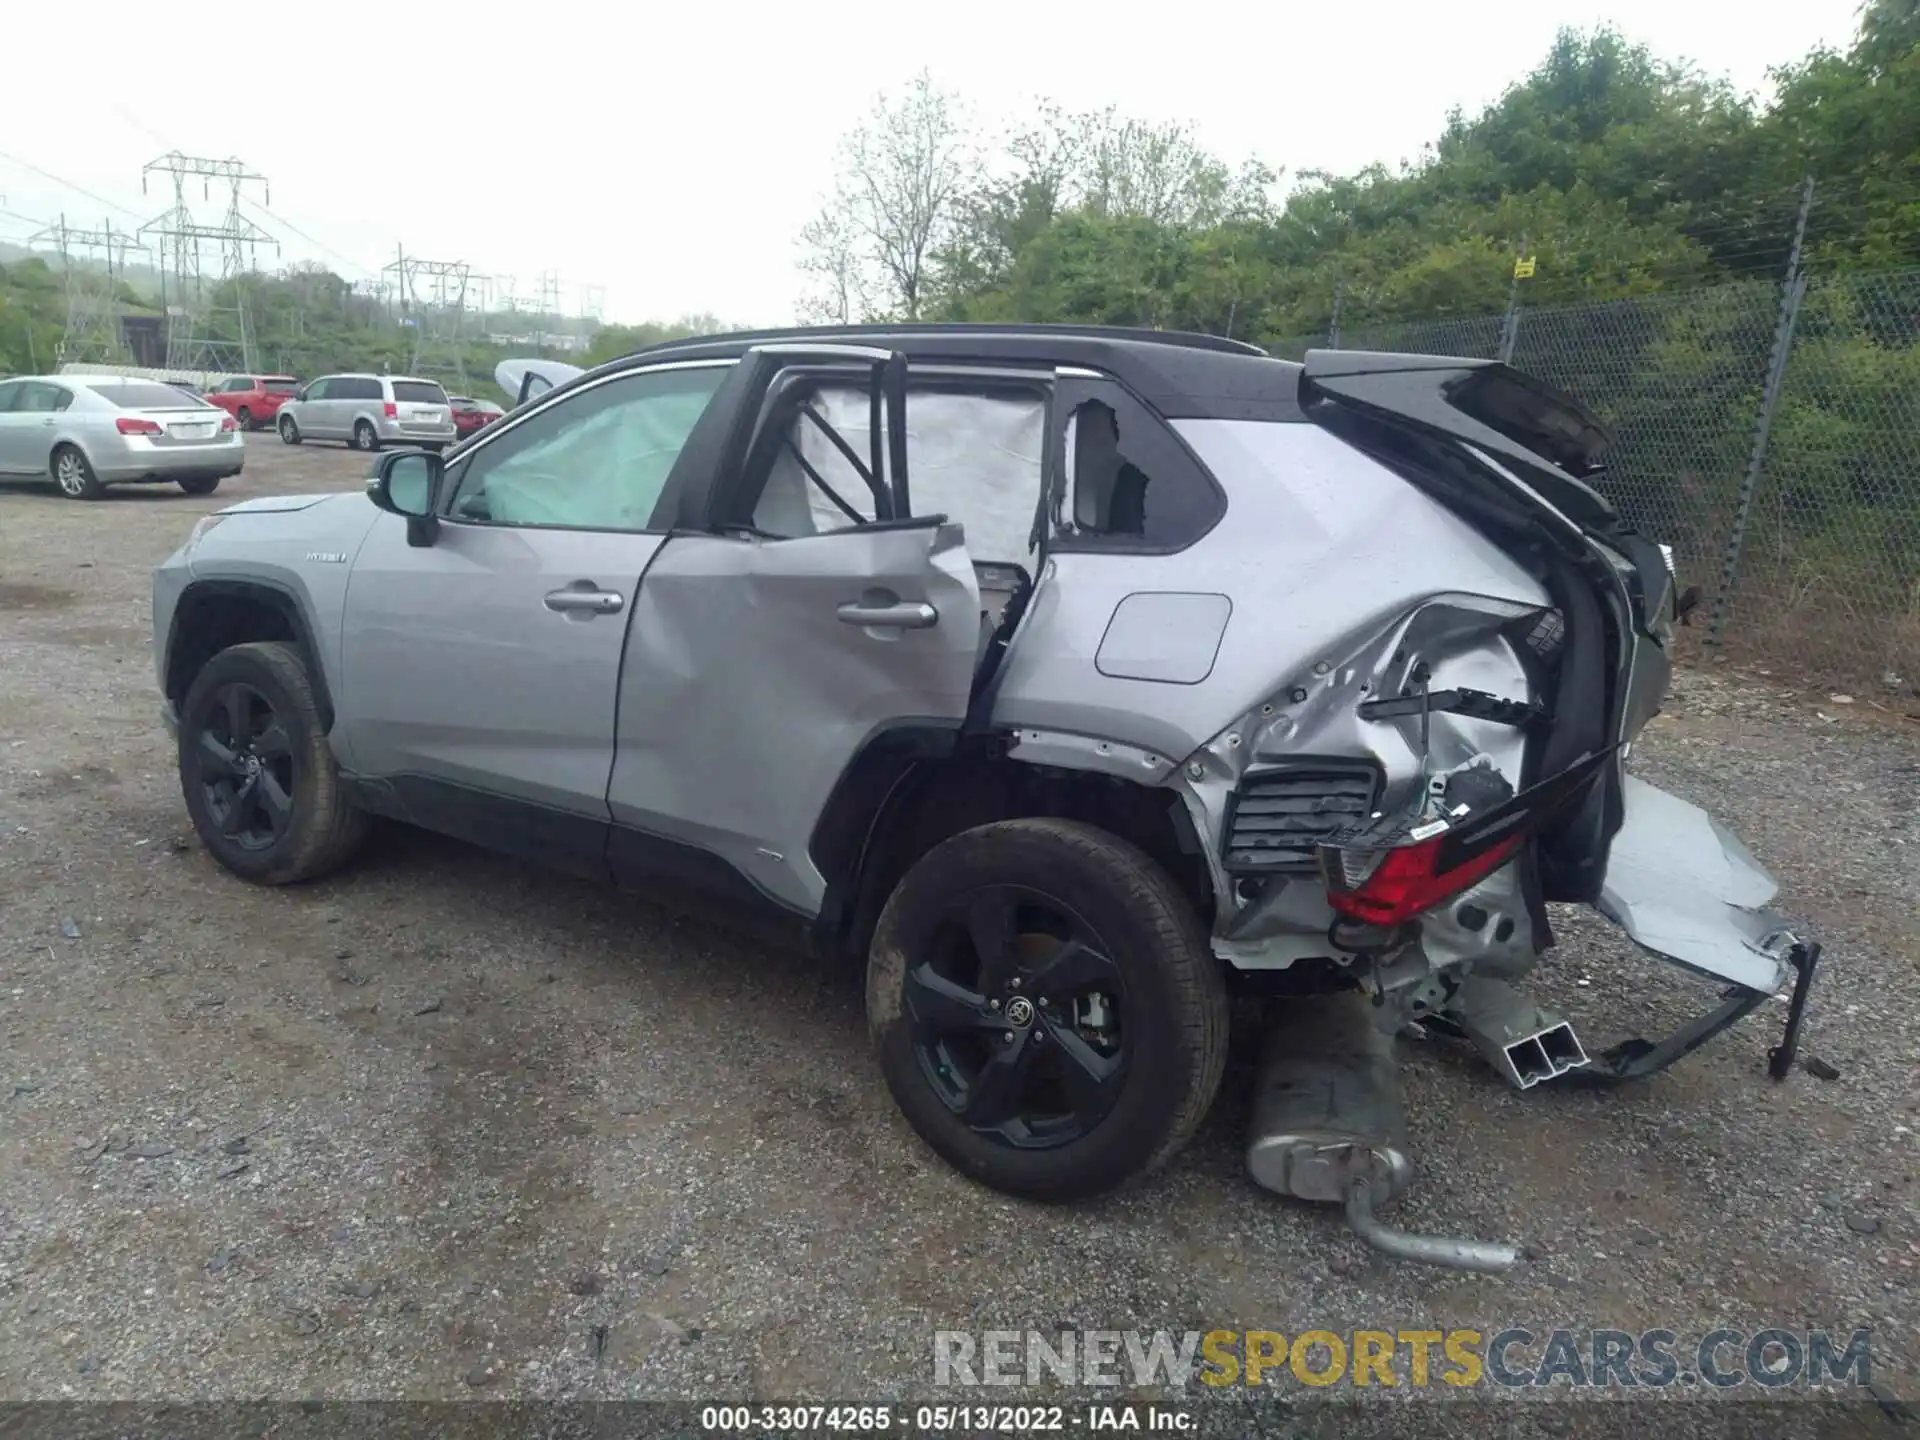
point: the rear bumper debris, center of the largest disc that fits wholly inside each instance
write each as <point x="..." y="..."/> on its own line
<point x="1637" y="1057"/>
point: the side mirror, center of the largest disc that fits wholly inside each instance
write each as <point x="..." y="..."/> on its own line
<point x="407" y="483"/>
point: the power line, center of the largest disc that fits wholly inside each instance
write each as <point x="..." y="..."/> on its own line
<point x="77" y="189"/>
<point x="322" y="247"/>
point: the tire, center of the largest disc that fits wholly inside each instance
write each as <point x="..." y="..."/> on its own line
<point x="1075" y="881"/>
<point x="73" y="474"/>
<point x="289" y="431"/>
<point x="199" y="484"/>
<point x="277" y="720"/>
<point x="364" y="437"/>
<point x="244" y="419"/>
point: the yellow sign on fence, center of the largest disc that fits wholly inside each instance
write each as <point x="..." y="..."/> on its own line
<point x="1523" y="268"/>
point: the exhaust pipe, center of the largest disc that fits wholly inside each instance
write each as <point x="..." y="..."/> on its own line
<point x="1525" y="1043"/>
<point x="1329" y="1125"/>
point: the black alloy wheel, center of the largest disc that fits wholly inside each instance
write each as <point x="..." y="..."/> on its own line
<point x="1018" y="1015"/>
<point x="1046" y="1008"/>
<point x="257" y="771"/>
<point x="245" y="767"/>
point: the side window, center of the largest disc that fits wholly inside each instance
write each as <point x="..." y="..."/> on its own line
<point x="597" y="460"/>
<point x="62" y="397"/>
<point x="10" y="394"/>
<point x="238" y="386"/>
<point x="1126" y="481"/>
<point x="40" y="398"/>
<point x="974" y="454"/>
<point x="317" y="390"/>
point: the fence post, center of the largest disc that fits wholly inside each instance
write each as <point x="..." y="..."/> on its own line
<point x="1510" y="325"/>
<point x="1792" y="291"/>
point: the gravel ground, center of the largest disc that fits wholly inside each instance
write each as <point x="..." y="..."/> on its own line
<point x="448" y="1126"/>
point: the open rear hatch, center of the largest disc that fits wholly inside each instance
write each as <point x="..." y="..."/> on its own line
<point x="1513" y="457"/>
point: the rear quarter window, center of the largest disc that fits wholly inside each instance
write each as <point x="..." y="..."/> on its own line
<point x="143" y="395"/>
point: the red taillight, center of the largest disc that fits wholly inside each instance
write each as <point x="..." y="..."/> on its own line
<point x="1391" y="871"/>
<point x="1407" y="881"/>
<point x="226" y="423"/>
<point x="392" y="410"/>
<point x="134" y="425"/>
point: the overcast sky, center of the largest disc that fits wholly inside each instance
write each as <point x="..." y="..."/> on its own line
<point x="669" y="153"/>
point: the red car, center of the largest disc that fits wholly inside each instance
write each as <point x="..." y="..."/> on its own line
<point x="470" y="415"/>
<point x="253" y="400"/>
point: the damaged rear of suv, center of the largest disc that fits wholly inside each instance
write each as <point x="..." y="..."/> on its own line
<point x="1071" y="677"/>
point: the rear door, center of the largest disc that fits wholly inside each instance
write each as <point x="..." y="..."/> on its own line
<point x="13" y="433"/>
<point x="480" y="672"/>
<point x="791" y="627"/>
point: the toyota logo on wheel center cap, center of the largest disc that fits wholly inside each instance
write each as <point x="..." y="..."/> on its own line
<point x="1020" y="1010"/>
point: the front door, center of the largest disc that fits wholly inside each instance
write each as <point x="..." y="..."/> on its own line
<point x="310" y="410"/>
<point x="480" y="672"/>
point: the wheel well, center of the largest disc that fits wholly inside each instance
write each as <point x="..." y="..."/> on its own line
<point x="214" y="615"/>
<point x="896" y="803"/>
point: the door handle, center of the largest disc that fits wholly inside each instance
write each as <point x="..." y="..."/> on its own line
<point x="586" y="601"/>
<point x="901" y="615"/>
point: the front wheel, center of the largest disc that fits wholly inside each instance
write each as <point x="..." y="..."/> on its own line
<point x="289" y="432"/>
<point x="1046" y="1009"/>
<point x="256" y="771"/>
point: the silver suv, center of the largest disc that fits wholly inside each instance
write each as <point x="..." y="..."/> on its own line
<point x="1071" y="678"/>
<point x="368" y="411"/>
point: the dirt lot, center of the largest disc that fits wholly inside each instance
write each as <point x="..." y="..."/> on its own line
<point x="449" y="1126"/>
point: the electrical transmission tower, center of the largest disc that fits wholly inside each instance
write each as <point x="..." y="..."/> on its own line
<point x="593" y="302"/>
<point x="94" y="263"/>
<point x="548" y="305"/>
<point x="208" y="327"/>
<point x="433" y="297"/>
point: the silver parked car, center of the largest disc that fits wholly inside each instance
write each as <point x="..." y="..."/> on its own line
<point x="86" y="432"/>
<point x="1070" y="678"/>
<point x="368" y="411"/>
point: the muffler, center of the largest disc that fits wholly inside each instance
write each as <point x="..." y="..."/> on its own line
<point x="1329" y="1125"/>
<point x="1525" y="1043"/>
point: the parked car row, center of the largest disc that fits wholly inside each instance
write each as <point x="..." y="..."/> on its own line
<point x="362" y="409"/>
<point x="85" y="432"/>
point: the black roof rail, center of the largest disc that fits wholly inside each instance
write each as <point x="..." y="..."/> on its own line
<point x="1182" y="339"/>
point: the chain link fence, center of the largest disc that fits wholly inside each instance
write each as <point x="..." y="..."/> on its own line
<point x="1800" y="519"/>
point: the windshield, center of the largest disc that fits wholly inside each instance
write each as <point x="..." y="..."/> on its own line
<point x="419" y="392"/>
<point x="142" y="395"/>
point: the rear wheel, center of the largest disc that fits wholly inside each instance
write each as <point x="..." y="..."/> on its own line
<point x="256" y="771"/>
<point x="1047" y="1012"/>
<point x="199" y="484"/>
<point x="364" y="437"/>
<point x="244" y="418"/>
<point x="289" y="432"/>
<point x="73" y="473"/>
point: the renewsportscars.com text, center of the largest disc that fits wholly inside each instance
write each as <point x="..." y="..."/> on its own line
<point x="1511" y="1357"/>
